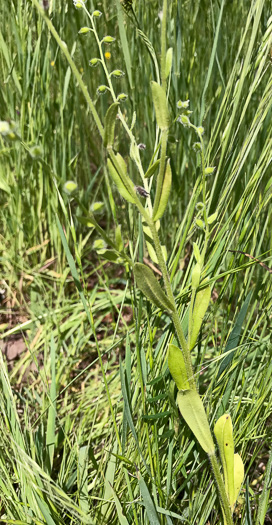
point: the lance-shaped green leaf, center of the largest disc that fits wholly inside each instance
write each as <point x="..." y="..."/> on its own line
<point x="152" y="252"/>
<point x="192" y="410"/>
<point x="200" y="307"/>
<point x="134" y="152"/>
<point x="120" y="165"/>
<point x="152" y="169"/>
<point x="239" y="473"/>
<point x="196" y="272"/>
<point x="118" y="238"/>
<point x="161" y="106"/>
<point x="224" y="438"/>
<point x="177" y="368"/>
<point x="110" y="121"/>
<point x="165" y="192"/>
<point x="148" y="284"/>
<point x="197" y="253"/>
<point x="149" y="244"/>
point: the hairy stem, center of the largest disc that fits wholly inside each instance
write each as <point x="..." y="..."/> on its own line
<point x="222" y="491"/>
<point x="175" y="315"/>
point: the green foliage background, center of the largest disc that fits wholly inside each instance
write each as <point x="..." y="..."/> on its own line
<point x="59" y="460"/>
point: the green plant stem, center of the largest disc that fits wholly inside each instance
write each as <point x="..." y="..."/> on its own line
<point x="192" y="302"/>
<point x="204" y="199"/>
<point x="189" y="371"/>
<point x="163" y="44"/>
<point x="222" y="491"/>
<point x="73" y="67"/>
<point x="175" y="315"/>
<point x="120" y="114"/>
<point x="164" y="134"/>
<point x="204" y="202"/>
<point x="164" y="138"/>
<point x="99" y="43"/>
<point x="159" y="253"/>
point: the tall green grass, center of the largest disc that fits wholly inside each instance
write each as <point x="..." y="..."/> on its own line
<point x="62" y="422"/>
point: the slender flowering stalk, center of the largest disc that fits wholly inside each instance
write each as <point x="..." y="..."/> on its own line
<point x="189" y="401"/>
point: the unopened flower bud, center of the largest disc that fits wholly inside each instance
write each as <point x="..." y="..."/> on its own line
<point x="36" y="151"/>
<point x="117" y="73"/>
<point x="101" y="90"/>
<point x="197" y="147"/>
<point x="122" y="97"/>
<point x="184" y="120"/>
<point x="108" y="39"/>
<point x="70" y="186"/>
<point x="94" y="62"/>
<point x="183" y="105"/>
<point x="84" y="30"/>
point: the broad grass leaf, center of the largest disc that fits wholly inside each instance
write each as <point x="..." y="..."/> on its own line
<point x="234" y="337"/>
<point x="148" y="502"/>
<point x="148" y="284"/>
<point x="125" y="45"/>
<point x="177" y="368"/>
<point x="121" y="518"/>
<point x="82" y="468"/>
<point x="192" y="410"/>
<point x="51" y="420"/>
<point x="128" y="414"/>
<point x="109" y="480"/>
